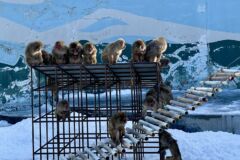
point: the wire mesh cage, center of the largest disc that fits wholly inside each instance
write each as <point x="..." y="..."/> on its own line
<point x="94" y="94"/>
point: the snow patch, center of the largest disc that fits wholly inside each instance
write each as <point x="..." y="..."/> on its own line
<point x="193" y="146"/>
<point x="4" y="124"/>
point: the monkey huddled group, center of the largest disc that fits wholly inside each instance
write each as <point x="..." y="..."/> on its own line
<point x="76" y="53"/>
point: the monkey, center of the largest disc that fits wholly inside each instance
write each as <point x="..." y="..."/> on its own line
<point x="75" y="53"/>
<point x="150" y="102"/>
<point x="89" y="53"/>
<point x="138" y="51"/>
<point x="112" y="51"/>
<point x="62" y="110"/>
<point x="33" y="53"/>
<point x="60" y="53"/>
<point x="168" y="142"/>
<point x="155" y="50"/>
<point x="116" y="127"/>
<point x="47" y="58"/>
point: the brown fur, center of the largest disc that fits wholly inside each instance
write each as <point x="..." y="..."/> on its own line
<point x="90" y="53"/>
<point x="75" y="53"/>
<point x="60" y="53"/>
<point x="112" y="51"/>
<point x="33" y="53"/>
<point x="155" y="50"/>
<point x="138" y="51"/>
<point x="47" y="58"/>
<point x="168" y="142"/>
<point x="62" y="110"/>
<point x="116" y="127"/>
<point x="150" y="101"/>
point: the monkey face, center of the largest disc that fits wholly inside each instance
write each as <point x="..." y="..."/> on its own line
<point x="62" y="110"/>
<point x="140" y="47"/>
<point x="89" y="48"/>
<point x="121" y="44"/>
<point x="162" y="45"/>
<point x="149" y="102"/>
<point x="75" y="49"/>
<point x="59" y="50"/>
<point x="59" y="45"/>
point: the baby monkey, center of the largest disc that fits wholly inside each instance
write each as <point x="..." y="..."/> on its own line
<point x="75" y="53"/>
<point x="112" y="51"/>
<point x="116" y="127"/>
<point x="89" y="53"/>
<point x="33" y="53"/>
<point x="168" y="142"/>
<point x="60" y="53"/>
<point x="155" y="50"/>
<point x="62" y="110"/>
<point x="138" y="51"/>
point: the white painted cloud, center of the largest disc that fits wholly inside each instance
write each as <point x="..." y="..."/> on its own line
<point x="23" y="1"/>
<point x="135" y="26"/>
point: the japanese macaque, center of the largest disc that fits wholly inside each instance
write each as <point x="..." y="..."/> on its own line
<point x="155" y="50"/>
<point x="112" y="51"/>
<point x="33" y="53"/>
<point x="75" y="53"/>
<point x="62" y="110"/>
<point x="150" y="101"/>
<point x="47" y="58"/>
<point x="138" y="51"/>
<point x="89" y="53"/>
<point x="168" y="142"/>
<point x="60" y="53"/>
<point x="116" y="127"/>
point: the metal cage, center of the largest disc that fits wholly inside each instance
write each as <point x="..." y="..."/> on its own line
<point x="95" y="93"/>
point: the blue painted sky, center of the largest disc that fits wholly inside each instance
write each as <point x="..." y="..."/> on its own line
<point x="215" y="14"/>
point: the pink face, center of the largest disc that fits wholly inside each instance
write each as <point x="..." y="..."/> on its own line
<point x="58" y="45"/>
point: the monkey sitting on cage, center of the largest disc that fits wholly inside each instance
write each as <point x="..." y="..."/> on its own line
<point x="62" y="110"/>
<point x="168" y="142"/>
<point x="116" y="127"/>
<point x="150" y="102"/>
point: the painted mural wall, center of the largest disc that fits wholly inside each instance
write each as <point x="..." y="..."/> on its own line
<point x="203" y="35"/>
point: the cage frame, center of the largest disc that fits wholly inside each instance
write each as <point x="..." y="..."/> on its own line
<point x="77" y="79"/>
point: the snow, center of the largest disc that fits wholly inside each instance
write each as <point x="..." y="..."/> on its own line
<point x="16" y="143"/>
<point x="4" y="124"/>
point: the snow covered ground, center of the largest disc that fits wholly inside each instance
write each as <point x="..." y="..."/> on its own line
<point x="16" y="143"/>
